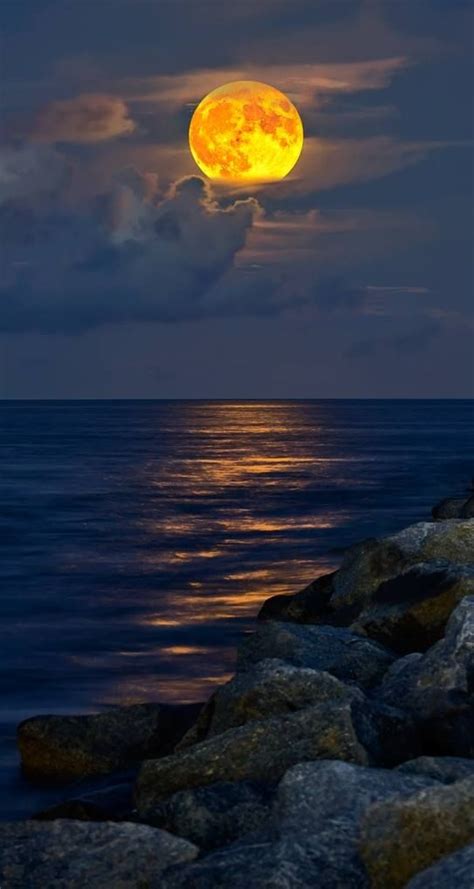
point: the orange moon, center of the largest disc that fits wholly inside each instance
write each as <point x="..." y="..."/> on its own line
<point x="246" y="131"/>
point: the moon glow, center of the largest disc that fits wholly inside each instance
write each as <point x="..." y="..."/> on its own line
<point x="246" y="131"/>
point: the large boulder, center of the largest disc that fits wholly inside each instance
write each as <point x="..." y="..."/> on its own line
<point x="401" y="837"/>
<point x="446" y="769"/>
<point x="467" y="511"/>
<point x="214" y="815"/>
<point x="310" y="605"/>
<point x="456" y="871"/>
<point x="369" y="564"/>
<point x="114" y="803"/>
<point x="261" y="751"/>
<point x="65" y="748"/>
<point x="348" y="656"/>
<point x="409" y="612"/>
<point x="75" y="854"/>
<point x="311" y="838"/>
<point x="437" y="688"/>
<point x="272" y="688"/>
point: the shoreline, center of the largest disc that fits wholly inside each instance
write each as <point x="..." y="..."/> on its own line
<point x="326" y="693"/>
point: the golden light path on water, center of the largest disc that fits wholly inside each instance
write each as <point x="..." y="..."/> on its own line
<point x="241" y="447"/>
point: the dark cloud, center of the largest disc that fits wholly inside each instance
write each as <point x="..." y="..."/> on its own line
<point x="84" y="118"/>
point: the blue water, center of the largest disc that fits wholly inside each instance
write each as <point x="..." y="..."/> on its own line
<point x="139" y="538"/>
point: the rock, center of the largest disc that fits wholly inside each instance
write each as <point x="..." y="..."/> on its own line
<point x="65" y="748"/>
<point x="75" y="854"/>
<point x="446" y="769"/>
<point x="310" y="840"/>
<point x="399" y="838"/>
<point x="409" y="612"/>
<point x="214" y="815"/>
<point x="272" y="688"/>
<point x="437" y="688"/>
<point x="346" y="655"/>
<point x="455" y="870"/>
<point x="371" y="563"/>
<point x="449" y="508"/>
<point x="114" y="803"/>
<point x="261" y="751"/>
<point x="310" y="605"/>
<point x="467" y="512"/>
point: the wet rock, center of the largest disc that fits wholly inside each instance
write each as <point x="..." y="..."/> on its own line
<point x="437" y="688"/>
<point x="310" y="605"/>
<point x="261" y="751"/>
<point x="453" y="872"/>
<point x="114" y="803"/>
<point x="409" y="612"/>
<point x="446" y="769"/>
<point x="214" y="815"/>
<point x="399" y="838"/>
<point x="371" y="563"/>
<point x="272" y="688"/>
<point x="65" y="748"/>
<point x="310" y="840"/>
<point x="348" y="656"/>
<point x="449" y="508"/>
<point x="75" y="854"/>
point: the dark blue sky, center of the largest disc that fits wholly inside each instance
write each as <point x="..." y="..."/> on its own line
<point x="124" y="277"/>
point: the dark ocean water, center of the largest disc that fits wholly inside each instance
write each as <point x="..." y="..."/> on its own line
<point x="138" y="539"/>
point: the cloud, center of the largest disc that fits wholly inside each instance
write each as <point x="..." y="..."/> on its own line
<point x="133" y="257"/>
<point x="89" y="117"/>
<point x="31" y="171"/>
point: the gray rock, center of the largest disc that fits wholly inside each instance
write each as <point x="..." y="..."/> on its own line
<point x="311" y="839"/>
<point x="272" y="688"/>
<point x="410" y="612"/>
<point x="75" y="854"/>
<point x="446" y="769"/>
<point x="449" y="508"/>
<point x="214" y="815"/>
<point x="65" y="748"/>
<point x="346" y="655"/>
<point x="437" y="688"/>
<point x="456" y="871"/>
<point x="260" y="751"/>
<point x="308" y="606"/>
<point x="400" y="838"/>
<point x="371" y="563"/>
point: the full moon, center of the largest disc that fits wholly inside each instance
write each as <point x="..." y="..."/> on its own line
<point x="246" y="131"/>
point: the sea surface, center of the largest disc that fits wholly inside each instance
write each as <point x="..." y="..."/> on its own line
<point x="138" y="539"/>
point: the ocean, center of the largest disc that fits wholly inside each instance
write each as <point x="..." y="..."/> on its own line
<point x="139" y="538"/>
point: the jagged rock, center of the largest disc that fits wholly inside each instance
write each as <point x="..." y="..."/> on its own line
<point x="467" y="512"/>
<point x="310" y="605"/>
<point x="311" y="839"/>
<point x="369" y="564"/>
<point x="75" y="854"/>
<point x="437" y="688"/>
<point x="261" y="751"/>
<point x="64" y="748"/>
<point x="272" y="688"/>
<point x="446" y="769"/>
<point x="455" y="871"/>
<point x="449" y="508"/>
<point x="214" y="815"/>
<point x="114" y="803"/>
<point x="399" y="838"/>
<point x="409" y="612"/>
<point x="336" y="650"/>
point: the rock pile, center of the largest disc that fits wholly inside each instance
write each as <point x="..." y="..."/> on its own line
<point x="341" y="754"/>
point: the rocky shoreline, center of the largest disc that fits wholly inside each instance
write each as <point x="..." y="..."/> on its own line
<point x="339" y="756"/>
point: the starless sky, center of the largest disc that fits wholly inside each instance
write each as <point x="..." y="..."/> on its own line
<point x="125" y="274"/>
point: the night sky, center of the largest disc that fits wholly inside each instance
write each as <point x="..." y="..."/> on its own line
<point x="126" y="275"/>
